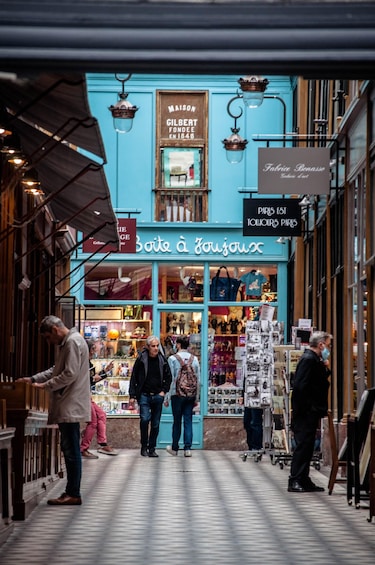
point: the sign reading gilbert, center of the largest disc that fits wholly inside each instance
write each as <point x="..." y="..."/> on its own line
<point x="182" y="115"/>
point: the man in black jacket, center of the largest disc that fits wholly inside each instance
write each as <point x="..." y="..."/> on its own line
<point x="150" y="381"/>
<point x="309" y="405"/>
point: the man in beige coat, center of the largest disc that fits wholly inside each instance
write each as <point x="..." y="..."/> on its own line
<point x="68" y="383"/>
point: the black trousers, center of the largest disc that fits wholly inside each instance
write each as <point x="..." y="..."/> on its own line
<point x="304" y="429"/>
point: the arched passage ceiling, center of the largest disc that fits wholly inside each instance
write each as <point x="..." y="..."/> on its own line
<point x="313" y="39"/>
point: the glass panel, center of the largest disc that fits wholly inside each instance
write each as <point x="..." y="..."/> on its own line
<point x="173" y="324"/>
<point x="118" y="342"/>
<point x="355" y="344"/>
<point x="257" y="283"/>
<point x="118" y="281"/>
<point x="226" y="348"/>
<point x="181" y="167"/>
<point x="180" y="284"/>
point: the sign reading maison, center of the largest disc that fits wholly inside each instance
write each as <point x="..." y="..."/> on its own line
<point x="182" y="115"/>
<point x="293" y="170"/>
<point x="271" y="216"/>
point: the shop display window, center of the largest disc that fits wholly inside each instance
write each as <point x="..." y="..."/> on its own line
<point x="184" y="284"/>
<point x="251" y="282"/>
<point x="118" y="281"/>
<point x="120" y="335"/>
<point x="180" y="284"/>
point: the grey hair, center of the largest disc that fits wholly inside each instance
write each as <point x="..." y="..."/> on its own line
<point x="152" y="338"/>
<point x="318" y="337"/>
<point x="48" y="322"/>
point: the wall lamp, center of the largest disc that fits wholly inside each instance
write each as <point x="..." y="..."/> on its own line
<point x="283" y="239"/>
<point x="123" y="111"/>
<point x="253" y="89"/>
<point x="306" y="201"/>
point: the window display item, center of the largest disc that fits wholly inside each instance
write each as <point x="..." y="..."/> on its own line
<point x="113" y="334"/>
<point x="224" y="288"/>
<point x="253" y="283"/>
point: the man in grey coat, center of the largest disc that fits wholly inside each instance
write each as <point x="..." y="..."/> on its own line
<point x="68" y="383"/>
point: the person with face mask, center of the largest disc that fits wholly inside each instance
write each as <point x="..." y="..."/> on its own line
<point x="309" y="404"/>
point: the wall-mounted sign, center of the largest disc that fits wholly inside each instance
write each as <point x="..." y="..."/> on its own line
<point x="293" y="170"/>
<point x="271" y="216"/>
<point x="127" y="233"/>
<point x="182" y="115"/>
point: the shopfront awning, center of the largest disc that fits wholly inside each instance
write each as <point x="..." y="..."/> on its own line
<point x="62" y="142"/>
<point x="57" y="104"/>
<point x="74" y="185"/>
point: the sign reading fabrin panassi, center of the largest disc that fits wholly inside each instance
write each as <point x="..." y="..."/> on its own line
<point x="293" y="170"/>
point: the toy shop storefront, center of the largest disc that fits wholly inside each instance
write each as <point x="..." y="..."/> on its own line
<point x="172" y="286"/>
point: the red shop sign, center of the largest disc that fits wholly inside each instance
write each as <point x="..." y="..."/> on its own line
<point x="127" y="233"/>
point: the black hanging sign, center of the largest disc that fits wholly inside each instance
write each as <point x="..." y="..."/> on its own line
<point x="271" y="216"/>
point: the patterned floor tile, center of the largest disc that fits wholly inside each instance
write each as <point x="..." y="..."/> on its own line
<point x="213" y="509"/>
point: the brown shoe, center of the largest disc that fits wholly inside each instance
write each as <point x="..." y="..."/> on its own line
<point x="66" y="500"/>
<point x="88" y="455"/>
<point x="107" y="450"/>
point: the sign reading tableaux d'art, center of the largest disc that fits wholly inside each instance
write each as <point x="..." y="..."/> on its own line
<point x="127" y="233"/>
<point x="293" y="170"/>
<point x="182" y="115"/>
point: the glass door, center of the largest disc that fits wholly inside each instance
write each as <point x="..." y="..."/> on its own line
<point x="173" y="323"/>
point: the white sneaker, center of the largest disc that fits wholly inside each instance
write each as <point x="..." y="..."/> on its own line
<point x="170" y="450"/>
<point x="187" y="453"/>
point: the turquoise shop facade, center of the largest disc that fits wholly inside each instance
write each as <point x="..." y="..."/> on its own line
<point x="185" y="246"/>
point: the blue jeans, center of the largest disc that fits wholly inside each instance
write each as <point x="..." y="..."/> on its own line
<point x="182" y="408"/>
<point x="253" y="424"/>
<point x="70" y="446"/>
<point x="150" y="408"/>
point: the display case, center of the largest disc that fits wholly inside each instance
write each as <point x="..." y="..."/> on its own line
<point x="112" y="393"/>
<point x="118" y="342"/>
<point x="225" y="393"/>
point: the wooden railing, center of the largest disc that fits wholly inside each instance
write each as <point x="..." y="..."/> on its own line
<point x="181" y="205"/>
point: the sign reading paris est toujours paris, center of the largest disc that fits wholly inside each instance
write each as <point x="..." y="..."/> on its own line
<point x="287" y="171"/>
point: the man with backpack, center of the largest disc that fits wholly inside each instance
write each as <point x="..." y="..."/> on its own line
<point x="183" y="394"/>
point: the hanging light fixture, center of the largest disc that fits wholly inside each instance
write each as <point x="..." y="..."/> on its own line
<point x="123" y="111"/>
<point x="253" y="88"/>
<point x="12" y="150"/>
<point x="123" y="279"/>
<point x="234" y="144"/>
<point x="4" y="132"/>
<point x="30" y="183"/>
<point x="16" y="159"/>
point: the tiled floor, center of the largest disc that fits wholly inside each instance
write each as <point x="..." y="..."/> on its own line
<point x="211" y="509"/>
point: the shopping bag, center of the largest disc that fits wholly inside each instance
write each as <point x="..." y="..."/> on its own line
<point x="224" y="288"/>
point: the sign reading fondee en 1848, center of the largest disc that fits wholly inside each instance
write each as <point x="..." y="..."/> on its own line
<point x="182" y="115"/>
<point x="293" y="170"/>
<point x="271" y="216"/>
